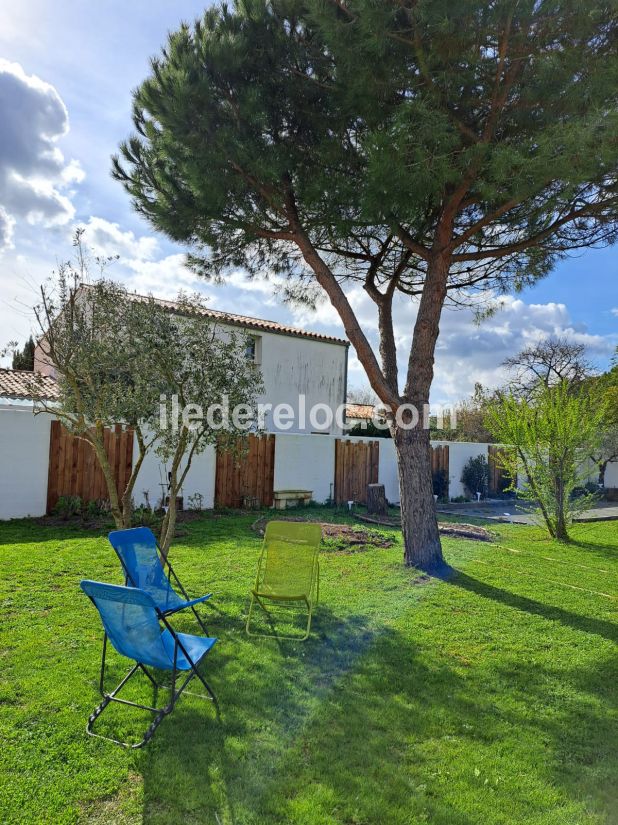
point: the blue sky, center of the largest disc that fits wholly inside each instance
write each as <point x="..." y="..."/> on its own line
<point x="67" y="68"/>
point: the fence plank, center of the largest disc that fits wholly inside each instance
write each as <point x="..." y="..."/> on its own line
<point x="249" y="475"/>
<point x="74" y="469"/>
<point x="356" y="466"/>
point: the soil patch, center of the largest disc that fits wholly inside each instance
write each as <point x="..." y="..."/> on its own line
<point x="337" y="537"/>
<point x="460" y="530"/>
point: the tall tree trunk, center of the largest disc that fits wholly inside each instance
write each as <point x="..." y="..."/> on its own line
<point x="98" y="443"/>
<point x="421" y="538"/>
<point x="418" y="513"/>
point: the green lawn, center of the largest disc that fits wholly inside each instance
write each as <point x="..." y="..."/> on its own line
<point x="488" y="698"/>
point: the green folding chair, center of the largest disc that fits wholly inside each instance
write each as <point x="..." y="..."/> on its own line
<point x="288" y="570"/>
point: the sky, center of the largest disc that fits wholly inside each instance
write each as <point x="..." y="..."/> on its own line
<point x="67" y="69"/>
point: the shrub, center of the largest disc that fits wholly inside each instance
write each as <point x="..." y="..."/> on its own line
<point x="440" y="484"/>
<point x="196" y="502"/>
<point x="68" y="506"/>
<point x="145" y="517"/>
<point x="95" y="509"/>
<point x="475" y="476"/>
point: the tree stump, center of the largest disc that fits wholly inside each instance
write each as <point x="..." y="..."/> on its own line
<point x="376" y="500"/>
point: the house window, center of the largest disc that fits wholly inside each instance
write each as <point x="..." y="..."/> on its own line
<point x="253" y="351"/>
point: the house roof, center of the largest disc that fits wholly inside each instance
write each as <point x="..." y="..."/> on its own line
<point x="362" y="411"/>
<point x="21" y="383"/>
<point x="247" y="322"/>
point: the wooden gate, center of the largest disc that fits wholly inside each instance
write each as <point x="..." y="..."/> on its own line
<point x="356" y="466"/>
<point x="499" y="479"/>
<point x="439" y="459"/>
<point x="74" y="469"/>
<point x="245" y="478"/>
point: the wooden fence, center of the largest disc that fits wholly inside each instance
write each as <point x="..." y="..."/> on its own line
<point x="74" y="469"/>
<point x="439" y="459"/>
<point x="245" y="478"/>
<point x="499" y="479"/>
<point x="356" y="466"/>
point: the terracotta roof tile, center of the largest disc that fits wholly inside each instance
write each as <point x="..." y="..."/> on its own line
<point x="248" y="322"/>
<point x="359" y="411"/>
<point x="21" y="384"/>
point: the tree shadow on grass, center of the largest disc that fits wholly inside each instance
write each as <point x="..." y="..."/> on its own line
<point x="196" y="765"/>
<point x="576" y="621"/>
<point x="394" y="734"/>
<point x="361" y="725"/>
<point x="319" y="700"/>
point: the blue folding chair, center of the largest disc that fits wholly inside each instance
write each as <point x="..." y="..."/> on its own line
<point x="139" y="555"/>
<point x="131" y="622"/>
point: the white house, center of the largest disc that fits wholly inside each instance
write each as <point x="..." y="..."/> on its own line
<point x="302" y="369"/>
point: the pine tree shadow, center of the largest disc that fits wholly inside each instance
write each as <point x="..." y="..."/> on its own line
<point x="576" y="621"/>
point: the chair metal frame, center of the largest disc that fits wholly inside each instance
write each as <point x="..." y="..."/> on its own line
<point x="160" y="713"/>
<point x="307" y="598"/>
<point x="189" y="603"/>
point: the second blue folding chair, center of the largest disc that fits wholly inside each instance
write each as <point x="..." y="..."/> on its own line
<point x="132" y="624"/>
<point x="143" y="567"/>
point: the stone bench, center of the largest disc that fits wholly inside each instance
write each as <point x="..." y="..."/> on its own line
<point x="291" y="498"/>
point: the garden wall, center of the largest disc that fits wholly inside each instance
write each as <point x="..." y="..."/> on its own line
<point x="24" y="460"/>
<point x="302" y="461"/>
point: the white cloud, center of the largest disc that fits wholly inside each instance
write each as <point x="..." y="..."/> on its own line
<point x="7" y="224"/>
<point x="106" y="238"/>
<point x="614" y="311"/>
<point x="164" y="277"/>
<point x="33" y="171"/>
<point x="466" y="352"/>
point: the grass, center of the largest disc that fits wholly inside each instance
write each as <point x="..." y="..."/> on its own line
<point x="487" y="698"/>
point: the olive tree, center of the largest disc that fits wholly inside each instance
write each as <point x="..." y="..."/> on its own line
<point x="87" y="333"/>
<point x="207" y="389"/>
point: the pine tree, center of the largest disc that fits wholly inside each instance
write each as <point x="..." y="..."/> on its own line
<point x="24" y="359"/>
<point x="425" y="150"/>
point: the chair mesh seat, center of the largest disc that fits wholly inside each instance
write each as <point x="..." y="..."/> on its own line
<point x="138" y="552"/>
<point x="288" y="568"/>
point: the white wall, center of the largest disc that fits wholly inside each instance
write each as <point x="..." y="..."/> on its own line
<point x="305" y="462"/>
<point x="24" y="459"/>
<point x="200" y="478"/>
<point x="302" y="461"/>
<point x="387" y="469"/>
<point x="293" y="366"/>
<point x="611" y="475"/>
<point x="459" y="453"/>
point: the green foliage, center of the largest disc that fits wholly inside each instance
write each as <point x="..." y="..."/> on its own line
<point x="89" y="332"/>
<point x="432" y="149"/>
<point x="71" y="507"/>
<point x="369" y="429"/>
<point x="475" y="476"/>
<point x="24" y="359"/>
<point x="503" y="678"/>
<point x="363" y="117"/>
<point x="201" y="367"/>
<point x="553" y="433"/>
<point x="604" y="390"/>
<point x="68" y="506"/>
<point x="440" y="484"/>
<point x="145" y="517"/>
<point x="196" y="502"/>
